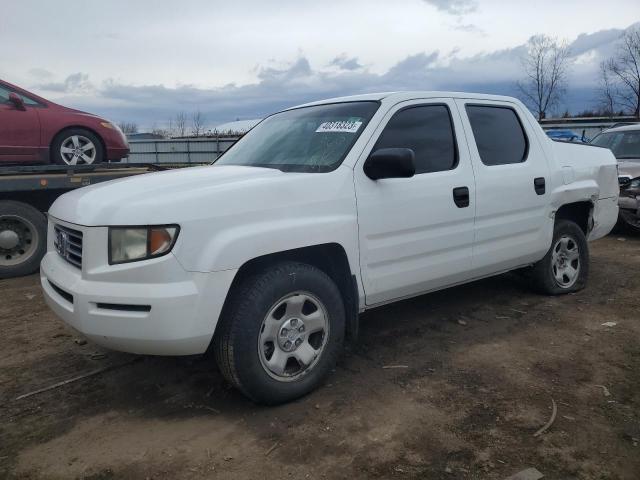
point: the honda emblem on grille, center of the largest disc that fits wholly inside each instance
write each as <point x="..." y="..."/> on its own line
<point x="62" y="243"/>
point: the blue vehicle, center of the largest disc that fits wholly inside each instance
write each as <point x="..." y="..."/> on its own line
<point x="565" y="135"/>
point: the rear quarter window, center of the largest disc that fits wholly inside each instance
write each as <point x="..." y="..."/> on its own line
<point x="498" y="133"/>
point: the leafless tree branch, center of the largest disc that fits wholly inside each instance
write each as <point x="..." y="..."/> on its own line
<point x="545" y="67"/>
<point x="625" y="68"/>
<point x="197" y="124"/>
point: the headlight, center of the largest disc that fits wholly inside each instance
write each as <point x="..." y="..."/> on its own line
<point x="634" y="184"/>
<point x="131" y="244"/>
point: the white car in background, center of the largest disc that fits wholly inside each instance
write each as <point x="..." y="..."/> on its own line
<point x="318" y="213"/>
<point x="624" y="142"/>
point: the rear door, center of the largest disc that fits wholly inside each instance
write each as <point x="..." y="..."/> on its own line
<point x="512" y="225"/>
<point x="415" y="234"/>
<point x="19" y="129"/>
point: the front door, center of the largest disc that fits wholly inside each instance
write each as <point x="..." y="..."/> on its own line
<point x="416" y="234"/>
<point x="19" y="130"/>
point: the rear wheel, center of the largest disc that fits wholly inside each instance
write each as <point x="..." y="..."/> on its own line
<point x="281" y="332"/>
<point x="23" y="232"/>
<point x="565" y="267"/>
<point x="77" y="146"/>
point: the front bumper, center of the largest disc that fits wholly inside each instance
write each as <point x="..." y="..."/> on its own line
<point x="630" y="209"/>
<point x="151" y="307"/>
<point x="117" y="153"/>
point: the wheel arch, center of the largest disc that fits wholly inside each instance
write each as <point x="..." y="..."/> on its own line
<point x="330" y="258"/>
<point x="82" y="127"/>
<point x="581" y="213"/>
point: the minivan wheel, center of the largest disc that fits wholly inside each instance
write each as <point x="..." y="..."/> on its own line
<point x="565" y="267"/>
<point x="281" y="332"/>
<point x="77" y="146"/>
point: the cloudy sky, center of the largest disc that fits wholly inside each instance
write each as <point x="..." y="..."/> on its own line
<point x="144" y="60"/>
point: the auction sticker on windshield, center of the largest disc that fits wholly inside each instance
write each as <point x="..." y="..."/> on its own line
<point x="339" y="127"/>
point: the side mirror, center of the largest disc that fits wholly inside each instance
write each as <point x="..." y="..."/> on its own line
<point x="390" y="163"/>
<point x="16" y="100"/>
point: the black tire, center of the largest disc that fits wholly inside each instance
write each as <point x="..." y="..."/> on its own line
<point x="542" y="274"/>
<point x="62" y="137"/>
<point x="236" y="344"/>
<point x="30" y="227"/>
<point x="628" y="222"/>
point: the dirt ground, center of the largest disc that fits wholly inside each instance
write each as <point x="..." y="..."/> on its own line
<point x="477" y="369"/>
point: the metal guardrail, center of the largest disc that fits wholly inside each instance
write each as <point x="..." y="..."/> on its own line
<point x="179" y="150"/>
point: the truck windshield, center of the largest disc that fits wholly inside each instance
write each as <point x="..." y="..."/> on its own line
<point x="624" y="145"/>
<point x="308" y="139"/>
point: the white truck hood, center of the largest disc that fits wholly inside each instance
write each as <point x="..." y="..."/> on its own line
<point x="166" y="197"/>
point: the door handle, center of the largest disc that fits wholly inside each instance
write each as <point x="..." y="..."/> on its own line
<point x="539" y="185"/>
<point x="461" y="196"/>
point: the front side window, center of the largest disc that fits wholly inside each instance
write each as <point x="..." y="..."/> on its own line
<point x="499" y="135"/>
<point x="625" y="144"/>
<point x="428" y="131"/>
<point x="28" y="100"/>
<point x="308" y="139"/>
<point x="4" y="96"/>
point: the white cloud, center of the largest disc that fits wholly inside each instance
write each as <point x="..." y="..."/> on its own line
<point x="147" y="60"/>
<point x="455" y="7"/>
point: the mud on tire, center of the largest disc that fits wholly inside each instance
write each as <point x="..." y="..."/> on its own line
<point x="288" y="310"/>
<point x="565" y="267"/>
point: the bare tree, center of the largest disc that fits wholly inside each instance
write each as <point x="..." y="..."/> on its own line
<point x="163" y="132"/>
<point x="170" y="130"/>
<point x="197" y="124"/>
<point x="128" y="127"/>
<point x="625" y="67"/>
<point x="545" y="66"/>
<point x="181" y="124"/>
<point x="606" y="91"/>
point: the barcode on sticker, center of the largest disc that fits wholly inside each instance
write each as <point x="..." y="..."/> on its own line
<point x="341" y="127"/>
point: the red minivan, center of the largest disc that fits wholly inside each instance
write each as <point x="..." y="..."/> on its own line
<point x="35" y="130"/>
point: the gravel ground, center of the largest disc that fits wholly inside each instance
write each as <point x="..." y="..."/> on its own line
<point x="477" y="368"/>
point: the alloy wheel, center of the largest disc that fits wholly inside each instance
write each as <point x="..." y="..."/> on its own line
<point x="292" y="336"/>
<point x="565" y="261"/>
<point x="78" y="150"/>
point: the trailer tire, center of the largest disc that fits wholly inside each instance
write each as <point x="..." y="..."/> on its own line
<point x="23" y="239"/>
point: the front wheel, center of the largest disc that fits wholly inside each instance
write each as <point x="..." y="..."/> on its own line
<point x="77" y="146"/>
<point x="281" y="332"/>
<point x="565" y="267"/>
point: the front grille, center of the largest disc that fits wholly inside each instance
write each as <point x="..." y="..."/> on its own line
<point x="68" y="243"/>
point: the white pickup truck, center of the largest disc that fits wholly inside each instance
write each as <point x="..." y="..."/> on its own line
<point x="320" y="212"/>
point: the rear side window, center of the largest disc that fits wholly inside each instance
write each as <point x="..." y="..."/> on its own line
<point x="499" y="135"/>
<point x="428" y="131"/>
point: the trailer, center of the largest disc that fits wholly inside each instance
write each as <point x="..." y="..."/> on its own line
<point x="27" y="192"/>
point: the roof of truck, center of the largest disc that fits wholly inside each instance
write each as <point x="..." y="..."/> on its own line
<point x="410" y="95"/>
